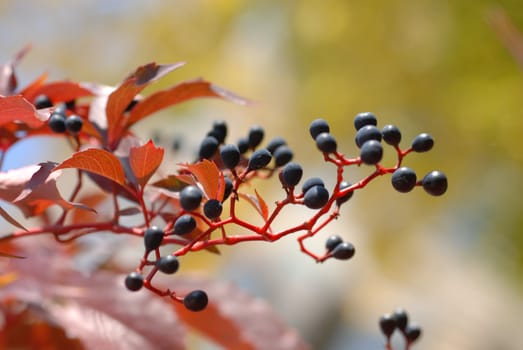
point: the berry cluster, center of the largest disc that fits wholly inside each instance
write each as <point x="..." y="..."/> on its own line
<point x="60" y="119"/>
<point x="399" y="320"/>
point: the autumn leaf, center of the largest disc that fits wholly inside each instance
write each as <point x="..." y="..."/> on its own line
<point x="8" y="81"/>
<point x="264" y="210"/>
<point x="172" y="183"/>
<point x="208" y="175"/>
<point x="257" y="203"/>
<point x="59" y="91"/>
<point x="10" y="219"/>
<point x="144" y="161"/>
<point x="17" y="108"/>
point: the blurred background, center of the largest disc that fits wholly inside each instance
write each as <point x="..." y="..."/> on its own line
<point x="454" y="262"/>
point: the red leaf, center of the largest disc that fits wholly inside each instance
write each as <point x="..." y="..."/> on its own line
<point x="208" y="175"/>
<point x="8" y="81"/>
<point x="97" y="161"/>
<point x="145" y="160"/>
<point x="264" y="210"/>
<point x="10" y="219"/>
<point x="260" y="206"/>
<point x="174" y="183"/>
<point x="17" y="108"/>
<point x="59" y="91"/>
<point x="179" y="93"/>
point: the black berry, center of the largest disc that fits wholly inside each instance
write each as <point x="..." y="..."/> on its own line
<point x="152" y="238"/>
<point x="190" y="197"/>
<point x="343" y="199"/>
<point x="422" y="143"/>
<point x="311" y="182"/>
<point x="42" y="101"/>
<point x="326" y="142"/>
<point x="60" y="109"/>
<point x="366" y="133"/>
<point x="391" y="134"/>
<point x="168" y="264"/>
<point x="219" y="130"/>
<point x="275" y="143"/>
<point x="208" y="147"/>
<point x="184" y="224"/>
<point x="134" y="281"/>
<point x="291" y="174"/>
<point x="212" y="208"/>
<point x="402" y="319"/>
<point x="388" y="324"/>
<point x="332" y="242"/>
<point x="57" y="122"/>
<point x="259" y="159"/>
<point x="435" y="183"/>
<point x="317" y="127"/>
<point x="255" y="136"/>
<point x="282" y="155"/>
<point x="316" y="197"/>
<point x="230" y="155"/>
<point x="403" y="179"/>
<point x="364" y="118"/>
<point x="243" y="145"/>
<point x="343" y="251"/>
<point x="196" y="300"/>
<point x="412" y="333"/>
<point x="74" y="124"/>
<point x="371" y="152"/>
<point x="228" y="188"/>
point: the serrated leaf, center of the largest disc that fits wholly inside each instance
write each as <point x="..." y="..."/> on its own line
<point x="17" y="108"/>
<point x="144" y="161"/>
<point x="207" y="174"/>
<point x="97" y="161"/>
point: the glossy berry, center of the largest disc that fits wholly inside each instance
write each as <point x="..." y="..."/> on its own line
<point x="219" y="130"/>
<point x="422" y="143"/>
<point x="316" y="197"/>
<point x="228" y="188"/>
<point x="275" y="143"/>
<point x="74" y="124"/>
<point x="403" y="179"/>
<point x="134" y="281"/>
<point x="243" y="145"/>
<point x="435" y="183"/>
<point x="317" y="127"/>
<point x="326" y="142"/>
<point x="412" y="333"/>
<point x="60" y="108"/>
<point x="70" y="105"/>
<point x="168" y="264"/>
<point x="402" y="319"/>
<point x="343" y="199"/>
<point x="184" y="224"/>
<point x="291" y="174"/>
<point x="212" y="208"/>
<point x="259" y="159"/>
<point x="371" y="152"/>
<point x="391" y="134"/>
<point x="255" y="136"/>
<point x="332" y="242"/>
<point x="387" y="324"/>
<point x="152" y="238"/>
<point x="366" y="133"/>
<point x="343" y="251"/>
<point x="208" y="147"/>
<point x="230" y="155"/>
<point x="196" y="300"/>
<point x="311" y="182"/>
<point x="190" y="197"/>
<point x="282" y="155"/>
<point x="56" y="122"/>
<point x="42" y="101"/>
<point x="364" y="118"/>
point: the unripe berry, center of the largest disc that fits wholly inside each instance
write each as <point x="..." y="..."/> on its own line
<point x="371" y="152"/>
<point x="311" y="182"/>
<point x="134" y="281"/>
<point x="168" y="264"/>
<point x="184" y="224"/>
<point x="364" y="118"/>
<point x="152" y="238"/>
<point x="422" y="143"/>
<point x="243" y="145"/>
<point x="212" y="208"/>
<point x="435" y="183"/>
<point x="42" y="101"/>
<point x="255" y="136"/>
<point x="403" y="179"/>
<point x="317" y="127"/>
<point x="275" y="143"/>
<point x="291" y="174"/>
<point x="282" y="155"/>
<point x="190" y="198"/>
<point x="343" y="251"/>
<point x="343" y="199"/>
<point x="326" y="142"/>
<point x="332" y="242"/>
<point x="208" y="147"/>
<point x="230" y="155"/>
<point x="74" y="124"/>
<point x="316" y="197"/>
<point x="56" y="122"/>
<point x="391" y="134"/>
<point x="259" y="159"/>
<point x="387" y="324"/>
<point x="196" y="300"/>
<point x="366" y="133"/>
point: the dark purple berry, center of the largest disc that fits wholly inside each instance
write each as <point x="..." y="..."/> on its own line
<point x="435" y="183"/>
<point x="311" y="182"/>
<point x="412" y="333"/>
<point x="402" y="319"/>
<point x="134" y="281"/>
<point x="230" y="155"/>
<point x="152" y="238"/>
<point x="74" y="124"/>
<point x="255" y="136"/>
<point x="196" y="300"/>
<point x="212" y="208"/>
<point x="282" y="155"/>
<point x="219" y="130"/>
<point x="391" y="134"/>
<point x="259" y="159"/>
<point x="60" y="109"/>
<point x="190" y="197"/>
<point x="403" y="179"/>
<point x="275" y="143"/>
<point x="291" y="174"/>
<point x="228" y="188"/>
<point x="243" y="145"/>
<point x="168" y="264"/>
<point x="184" y="224"/>
<point x="42" y="101"/>
<point x="388" y="324"/>
<point x="316" y="197"/>
<point x="56" y="122"/>
<point x="208" y="147"/>
<point x="326" y="142"/>
<point x="332" y="242"/>
<point x="366" y="133"/>
<point x="343" y="251"/>
<point x="422" y="143"/>
<point x="343" y="199"/>
<point x="317" y="127"/>
<point x="371" y="152"/>
<point x="70" y="105"/>
<point x="365" y="118"/>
